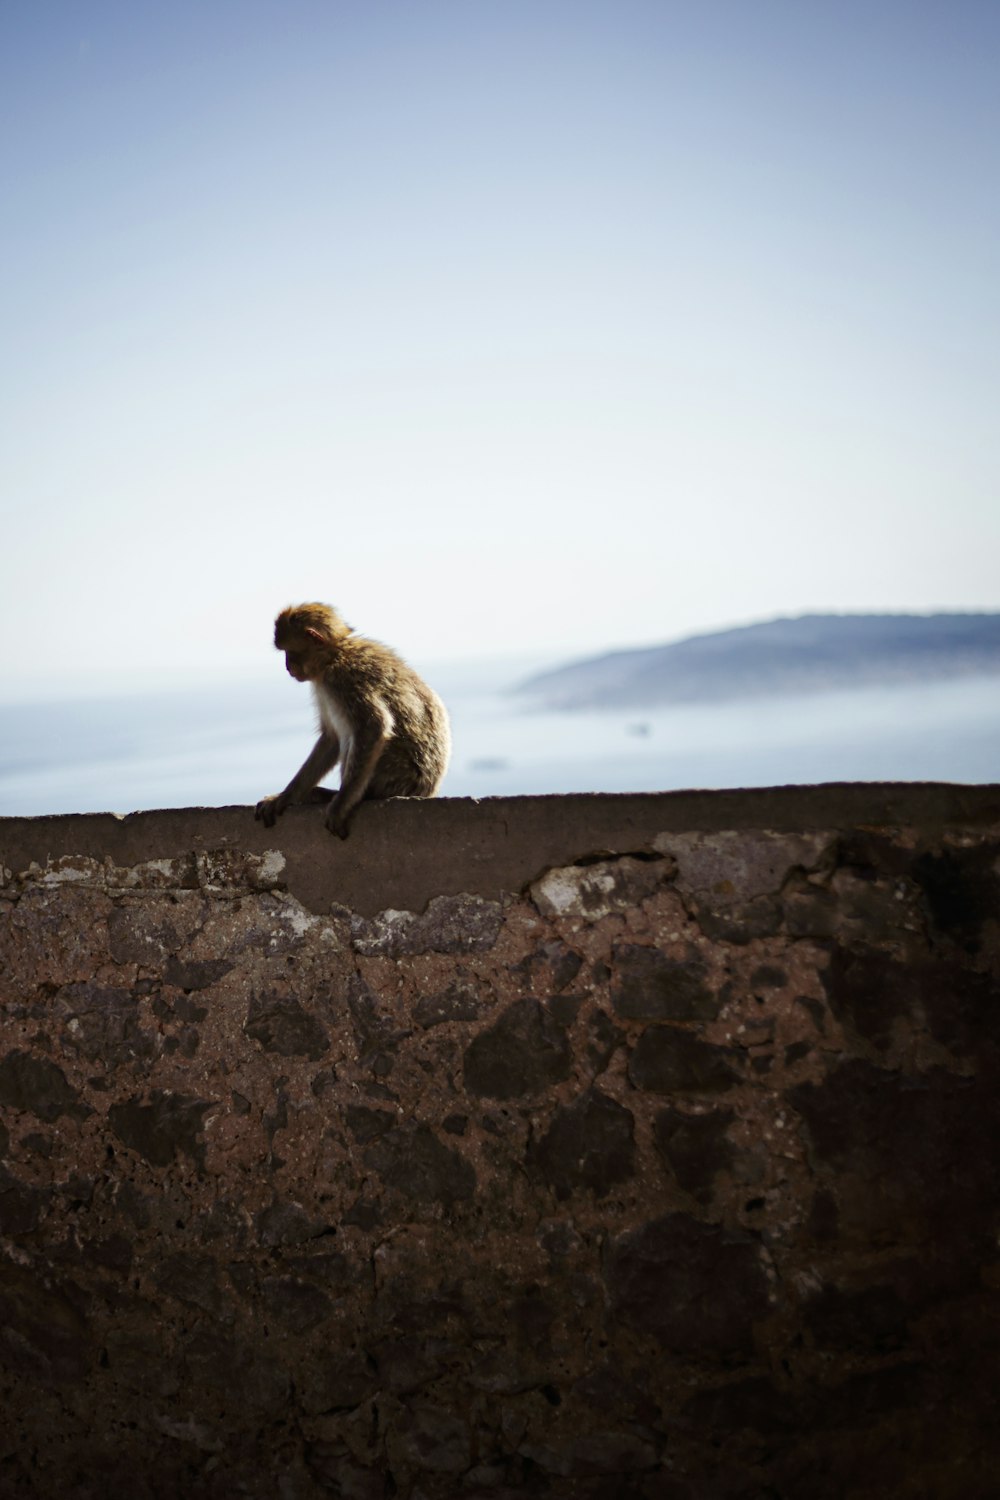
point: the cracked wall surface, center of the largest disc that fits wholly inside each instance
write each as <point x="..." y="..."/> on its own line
<point x="624" y="1147"/>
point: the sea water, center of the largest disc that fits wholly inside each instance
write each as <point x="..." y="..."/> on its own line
<point x="212" y="746"/>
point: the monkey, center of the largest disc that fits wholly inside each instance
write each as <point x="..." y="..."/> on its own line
<point x="381" y="721"/>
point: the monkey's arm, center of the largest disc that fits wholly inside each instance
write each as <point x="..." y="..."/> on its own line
<point x="321" y="759"/>
<point x="366" y="744"/>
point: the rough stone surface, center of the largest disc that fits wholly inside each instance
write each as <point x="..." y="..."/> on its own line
<point x="614" y="1148"/>
<point x="695" y="1148"/>
<point x="596" y="890"/>
<point x="666" y="1060"/>
<point x="523" y="1052"/>
<point x="650" y="986"/>
<point x="588" y="1145"/>
<point x="697" y="1288"/>
<point x="451" y="924"/>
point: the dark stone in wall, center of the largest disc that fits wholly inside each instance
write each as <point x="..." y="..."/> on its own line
<point x="168" y="1125"/>
<point x="961" y="887"/>
<point x="22" y="1205"/>
<point x="752" y="1404"/>
<point x="418" y="1165"/>
<point x="564" y="965"/>
<point x="375" y="1027"/>
<point x="254" y="1379"/>
<point x="962" y="1011"/>
<point x="332" y="1465"/>
<point x="872" y="855"/>
<point x="523" y="1052"/>
<point x="115" y="1253"/>
<point x="532" y="1319"/>
<point x="407" y="1364"/>
<point x="286" y="1223"/>
<point x="178" y="1008"/>
<point x="822" y="1224"/>
<point x="767" y="977"/>
<point x="38" y="1086"/>
<point x="552" y="966"/>
<point x="808" y="910"/>
<point x="368" y="1124"/>
<point x="694" y="1147"/>
<point x="101" y="1023"/>
<point x="695" y="1287"/>
<point x="740" y="924"/>
<point x="435" y="1439"/>
<point x="913" y="1146"/>
<point x="294" y="1304"/>
<point x="280" y="1024"/>
<point x="594" y="1453"/>
<point x="337" y="1381"/>
<point x="42" y="1334"/>
<point x="191" y="1279"/>
<point x="195" y="974"/>
<point x="459" y="1002"/>
<point x="667" y="1060"/>
<point x="589" y="1145"/>
<point x="869" y="991"/>
<point x="871" y="1318"/>
<point x="649" y="986"/>
<point x="565" y="1008"/>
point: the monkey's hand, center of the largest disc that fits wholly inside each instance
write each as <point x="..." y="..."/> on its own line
<point x="269" y="809"/>
<point x="337" y="820"/>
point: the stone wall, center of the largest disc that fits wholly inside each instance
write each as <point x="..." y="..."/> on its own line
<point x="608" y="1147"/>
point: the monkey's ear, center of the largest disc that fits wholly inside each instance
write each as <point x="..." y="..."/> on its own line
<point x="317" y="635"/>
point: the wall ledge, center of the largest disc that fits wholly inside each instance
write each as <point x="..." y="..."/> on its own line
<point x="404" y="852"/>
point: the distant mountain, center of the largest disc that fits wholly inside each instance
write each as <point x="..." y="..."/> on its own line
<point x="812" y="654"/>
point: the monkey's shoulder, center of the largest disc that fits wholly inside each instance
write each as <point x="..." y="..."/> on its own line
<point x="363" y="670"/>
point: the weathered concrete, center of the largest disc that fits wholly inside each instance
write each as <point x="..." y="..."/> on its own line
<point x="590" y="1146"/>
<point x="407" y="851"/>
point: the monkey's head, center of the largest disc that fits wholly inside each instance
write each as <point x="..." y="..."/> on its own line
<point x="308" y="634"/>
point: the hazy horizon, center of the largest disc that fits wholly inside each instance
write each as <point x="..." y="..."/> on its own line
<point x="209" y="747"/>
<point x="496" y="672"/>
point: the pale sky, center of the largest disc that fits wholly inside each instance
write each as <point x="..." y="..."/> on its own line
<point x="504" y="325"/>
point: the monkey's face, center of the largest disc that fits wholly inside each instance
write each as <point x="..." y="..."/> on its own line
<point x="297" y="665"/>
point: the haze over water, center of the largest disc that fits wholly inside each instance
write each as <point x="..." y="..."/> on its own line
<point x="213" y="746"/>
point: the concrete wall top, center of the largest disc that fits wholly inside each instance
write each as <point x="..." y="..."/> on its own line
<point x="404" y="852"/>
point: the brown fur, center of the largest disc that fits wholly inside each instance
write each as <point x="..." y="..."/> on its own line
<point x="293" y="622"/>
<point x="382" y="722"/>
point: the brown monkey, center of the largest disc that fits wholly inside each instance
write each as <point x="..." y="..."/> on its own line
<point x="376" y="716"/>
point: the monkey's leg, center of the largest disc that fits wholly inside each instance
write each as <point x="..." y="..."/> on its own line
<point x="356" y="774"/>
<point x="321" y="759"/>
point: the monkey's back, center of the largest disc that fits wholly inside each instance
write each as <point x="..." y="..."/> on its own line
<point x="363" y="674"/>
